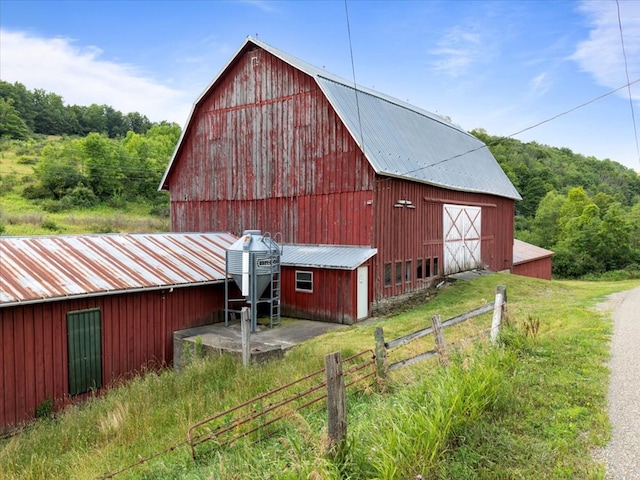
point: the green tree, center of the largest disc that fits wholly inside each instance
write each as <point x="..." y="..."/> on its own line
<point x="104" y="161"/>
<point x="545" y="228"/>
<point x="138" y="123"/>
<point x="614" y="244"/>
<point x="93" y="120"/>
<point x="577" y="251"/>
<point x="50" y="114"/>
<point x="21" y="99"/>
<point x="633" y="220"/>
<point x="11" y="125"/>
<point x="60" y="169"/>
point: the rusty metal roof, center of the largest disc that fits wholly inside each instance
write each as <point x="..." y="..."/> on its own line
<point x="340" y="257"/>
<point x="525" y="252"/>
<point x="397" y="138"/>
<point x="36" y="269"/>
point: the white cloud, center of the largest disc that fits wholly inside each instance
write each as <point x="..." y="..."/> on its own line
<point x="457" y="50"/>
<point x="540" y="84"/>
<point x="81" y="77"/>
<point x="601" y="55"/>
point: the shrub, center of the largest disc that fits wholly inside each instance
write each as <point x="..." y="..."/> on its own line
<point x="52" y="206"/>
<point x="50" y="225"/>
<point x="79" y="197"/>
<point x="45" y="409"/>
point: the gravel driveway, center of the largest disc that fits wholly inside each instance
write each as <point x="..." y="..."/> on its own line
<point x="622" y="454"/>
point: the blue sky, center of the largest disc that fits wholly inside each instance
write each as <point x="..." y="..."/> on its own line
<point x="499" y="65"/>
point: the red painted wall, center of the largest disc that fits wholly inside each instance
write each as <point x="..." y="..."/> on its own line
<point x="334" y="297"/>
<point x="403" y="234"/>
<point x="540" y="268"/>
<point x="265" y="150"/>
<point x="137" y="332"/>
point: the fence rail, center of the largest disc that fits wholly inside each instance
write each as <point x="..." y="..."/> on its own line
<point x="265" y="410"/>
<point x="328" y="384"/>
<point x="499" y="308"/>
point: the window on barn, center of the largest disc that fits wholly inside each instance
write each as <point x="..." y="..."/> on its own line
<point x="398" y="273"/>
<point x="419" y="268"/>
<point x="427" y="267"/>
<point x="84" y="350"/>
<point x="407" y="271"/>
<point x="435" y="266"/>
<point x="387" y="274"/>
<point x="304" y="281"/>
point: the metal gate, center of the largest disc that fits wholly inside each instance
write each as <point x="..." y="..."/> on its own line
<point x="462" y="228"/>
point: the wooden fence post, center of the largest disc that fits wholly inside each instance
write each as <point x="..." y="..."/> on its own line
<point x="505" y="308"/>
<point x="336" y="401"/>
<point x="380" y="352"/>
<point x="245" y="333"/>
<point x="497" y="313"/>
<point x="439" y="339"/>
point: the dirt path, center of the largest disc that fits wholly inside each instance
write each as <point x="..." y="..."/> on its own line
<point x="622" y="455"/>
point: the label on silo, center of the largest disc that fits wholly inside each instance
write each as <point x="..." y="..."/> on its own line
<point x="267" y="262"/>
<point x="245" y="273"/>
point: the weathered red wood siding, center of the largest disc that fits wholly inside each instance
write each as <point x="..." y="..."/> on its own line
<point x="137" y="332"/>
<point x="266" y="151"/>
<point x="404" y="234"/>
<point x="334" y="297"/>
<point x="538" y="268"/>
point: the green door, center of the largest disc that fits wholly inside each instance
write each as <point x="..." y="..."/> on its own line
<point x="84" y="332"/>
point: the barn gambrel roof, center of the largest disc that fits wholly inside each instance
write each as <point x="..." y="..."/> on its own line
<point x="397" y="138"/>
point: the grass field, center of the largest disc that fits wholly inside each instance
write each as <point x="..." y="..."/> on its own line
<point x="532" y="408"/>
<point x="20" y="216"/>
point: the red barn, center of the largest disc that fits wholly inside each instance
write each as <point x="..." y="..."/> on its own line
<point x="531" y="260"/>
<point x="80" y="311"/>
<point x="279" y="145"/>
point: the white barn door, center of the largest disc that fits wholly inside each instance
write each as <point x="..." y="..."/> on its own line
<point x="462" y="228"/>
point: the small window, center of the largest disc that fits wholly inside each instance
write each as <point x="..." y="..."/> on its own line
<point x="427" y="267"/>
<point x="398" y="273"/>
<point x="407" y="271"/>
<point x="435" y="266"/>
<point x="419" y="269"/>
<point x="387" y="274"/>
<point x="304" y="281"/>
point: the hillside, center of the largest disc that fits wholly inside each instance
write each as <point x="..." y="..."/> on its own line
<point x="533" y="408"/>
<point x="584" y="209"/>
<point x="72" y="169"/>
<point x="93" y="184"/>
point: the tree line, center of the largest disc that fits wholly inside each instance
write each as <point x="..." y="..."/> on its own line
<point x="81" y="172"/>
<point x="585" y="210"/>
<point x="24" y="113"/>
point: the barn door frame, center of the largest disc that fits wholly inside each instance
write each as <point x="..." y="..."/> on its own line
<point x="462" y="227"/>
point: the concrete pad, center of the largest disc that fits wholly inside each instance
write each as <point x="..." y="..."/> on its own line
<point x="266" y="343"/>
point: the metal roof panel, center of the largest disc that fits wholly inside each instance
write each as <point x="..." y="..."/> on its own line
<point x="397" y="138"/>
<point x="340" y="257"/>
<point x="526" y="252"/>
<point x="41" y="268"/>
<point x="403" y="141"/>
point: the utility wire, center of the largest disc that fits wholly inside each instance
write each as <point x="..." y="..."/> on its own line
<point x="626" y="70"/>
<point x="353" y="71"/>
<point x="566" y="112"/>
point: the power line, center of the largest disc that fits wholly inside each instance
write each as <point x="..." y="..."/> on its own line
<point x="353" y="71"/>
<point x="627" y="85"/>
<point x="566" y="112"/>
<point x="626" y="70"/>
